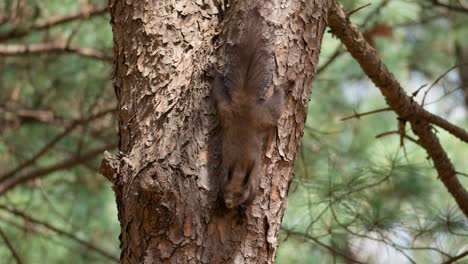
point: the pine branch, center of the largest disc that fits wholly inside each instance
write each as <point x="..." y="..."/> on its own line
<point x="358" y="115"/>
<point x="52" y="143"/>
<point x="401" y="103"/>
<point x="39" y="48"/>
<point x="10" y="183"/>
<point x="59" y="231"/>
<point x="450" y="7"/>
<point x="53" y="21"/>
<point x="10" y="247"/>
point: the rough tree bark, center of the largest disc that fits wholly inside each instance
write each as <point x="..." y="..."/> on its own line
<point x="165" y="176"/>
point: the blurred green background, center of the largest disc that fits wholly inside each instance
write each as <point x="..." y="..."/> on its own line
<point x="357" y="193"/>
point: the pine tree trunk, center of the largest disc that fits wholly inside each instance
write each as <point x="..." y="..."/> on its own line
<point x="165" y="176"/>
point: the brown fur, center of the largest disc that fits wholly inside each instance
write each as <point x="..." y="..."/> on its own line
<point x="246" y="119"/>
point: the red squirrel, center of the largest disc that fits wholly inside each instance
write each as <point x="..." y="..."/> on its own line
<point x="246" y="117"/>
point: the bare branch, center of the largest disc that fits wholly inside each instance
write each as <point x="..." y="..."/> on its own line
<point x="10" y="247"/>
<point x="338" y="51"/>
<point x="10" y="183"/>
<point x="450" y="7"/>
<point x="358" y="115"/>
<point x="456" y="258"/>
<point x="16" y="49"/>
<point x="318" y="242"/>
<point x="446" y="125"/>
<point x="350" y="13"/>
<point x="24" y="114"/>
<point x="28" y="228"/>
<point x="54" y="21"/>
<point x="59" y="231"/>
<point x="44" y="150"/>
<point x="401" y="103"/>
<point x="396" y="132"/>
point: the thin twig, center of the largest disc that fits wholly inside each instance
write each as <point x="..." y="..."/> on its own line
<point x="47" y="147"/>
<point x="39" y="48"/>
<point x="456" y="258"/>
<point x="53" y="21"/>
<point x="456" y="131"/>
<point x="338" y="51"/>
<point x="440" y="78"/>
<point x="397" y="247"/>
<point x="358" y="115"/>
<point x="26" y="227"/>
<point x="59" y="232"/>
<point x="350" y="13"/>
<point x="374" y="12"/>
<point x="10" y="247"/>
<point x="396" y="132"/>
<point x="9" y="183"/>
<point x="318" y="242"/>
<point x="450" y="7"/>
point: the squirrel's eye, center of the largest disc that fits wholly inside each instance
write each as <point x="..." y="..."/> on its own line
<point x="230" y="171"/>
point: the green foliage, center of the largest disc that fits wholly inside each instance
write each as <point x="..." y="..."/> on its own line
<point x="350" y="184"/>
<point x="69" y="88"/>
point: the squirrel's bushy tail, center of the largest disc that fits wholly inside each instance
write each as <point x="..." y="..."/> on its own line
<point x="251" y="70"/>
